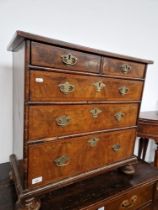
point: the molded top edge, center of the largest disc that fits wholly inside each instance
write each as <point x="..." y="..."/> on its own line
<point x="20" y="36"/>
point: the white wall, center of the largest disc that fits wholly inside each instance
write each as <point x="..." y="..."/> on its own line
<point x="122" y="26"/>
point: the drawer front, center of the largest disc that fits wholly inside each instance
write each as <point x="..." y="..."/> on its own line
<point x="56" y="57"/>
<point x="59" y="159"/>
<point x="133" y="200"/>
<point x="148" y="129"/>
<point x="59" y="120"/>
<point x="118" y="67"/>
<point x="50" y="86"/>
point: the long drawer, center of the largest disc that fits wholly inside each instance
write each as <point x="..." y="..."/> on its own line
<point x="133" y="200"/>
<point x="51" y="86"/>
<point x="58" y="120"/>
<point x="56" y="160"/>
<point x="63" y="58"/>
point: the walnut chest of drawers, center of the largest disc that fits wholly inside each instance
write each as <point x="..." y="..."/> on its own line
<point x="75" y="112"/>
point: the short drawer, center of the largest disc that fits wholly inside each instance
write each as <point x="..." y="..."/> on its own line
<point x="63" y="58"/>
<point x="135" y="199"/>
<point x="146" y="129"/>
<point x="118" y="67"/>
<point x="51" y="86"/>
<point x="64" y="158"/>
<point x="58" y="120"/>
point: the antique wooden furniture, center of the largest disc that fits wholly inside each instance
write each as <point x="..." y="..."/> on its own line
<point x="112" y="190"/>
<point x="147" y="128"/>
<point x="75" y="113"/>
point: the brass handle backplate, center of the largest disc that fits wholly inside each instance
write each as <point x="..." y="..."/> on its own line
<point x="125" y="68"/>
<point x="93" y="141"/>
<point x="116" y="147"/>
<point x="63" y="120"/>
<point x="129" y="203"/>
<point x="69" y="59"/>
<point x="66" y="87"/>
<point x="99" y="86"/>
<point x="119" y="115"/>
<point x="95" y="112"/>
<point x="62" y="160"/>
<point x="123" y="90"/>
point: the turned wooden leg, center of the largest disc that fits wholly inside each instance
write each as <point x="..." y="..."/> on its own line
<point x="29" y="204"/>
<point x="146" y="142"/>
<point x="156" y="157"/>
<point x="142" y="148"/>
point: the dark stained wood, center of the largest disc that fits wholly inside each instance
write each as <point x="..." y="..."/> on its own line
<point x="20" y="36"/>
<point x="156" y="156"/>
<point x="84" y="88"/>
<point x="86" y="193"/>
<point x="113" y="67"/>
<point x="50" y="56"/>
<point x="142" y="195"/>
<point x="148" y="128"/>
<point x="42" y="156"/>
<point x="45" y="117"/>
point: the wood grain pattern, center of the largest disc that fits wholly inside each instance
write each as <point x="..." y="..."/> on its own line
<point x="20" y="36"/>
<point x="113" y="67"/>
<point x="48" y="55"/>
<point x="144" y="195"/>
<point x="148" y="130"/>
<point x="56" y="123"/>
<point x="43" y="119"/>
<point x="84" y="88"/>
<point x="83" y="156"/>
<point x="86" y="193"/>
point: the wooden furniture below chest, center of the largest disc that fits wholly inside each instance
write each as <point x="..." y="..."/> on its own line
<point x="75" y="113"/>
<point x="105" y="191"/>
<point x="148" y="128"/>
<point x="110" y="191"/>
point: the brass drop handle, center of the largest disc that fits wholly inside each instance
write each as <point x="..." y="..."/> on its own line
<point x="62" y="161"/>
<point x="95" y="112"/>
<point x="63" y="120"/>
<point x="93" y="141"/>
<point x="99" y="86"/>
<point x="129" y="203"/>
<point x="123" y="90"/>
<point x="66" y="87"/>
<point x="116" y="147"/>
<point x="125" y="68"/>
<point x="119" y="115"/>
<point x="69" y="59"/>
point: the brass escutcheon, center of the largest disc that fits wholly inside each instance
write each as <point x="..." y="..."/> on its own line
<point x="66" y="87"/>
<point x="62" y="160"/>
<point x="129" y="203"/>
<point x="125" y="68"/>
<point x="119" y="115"/>
<point x="99" y="85"/>
<point x="93" y="142"/>
<point x="123" y="90"/>
<point x="95" y="112"/>
<point x="63" y="120"/>
<point x="69" y="59"/>
<point x="116" y="147"/>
